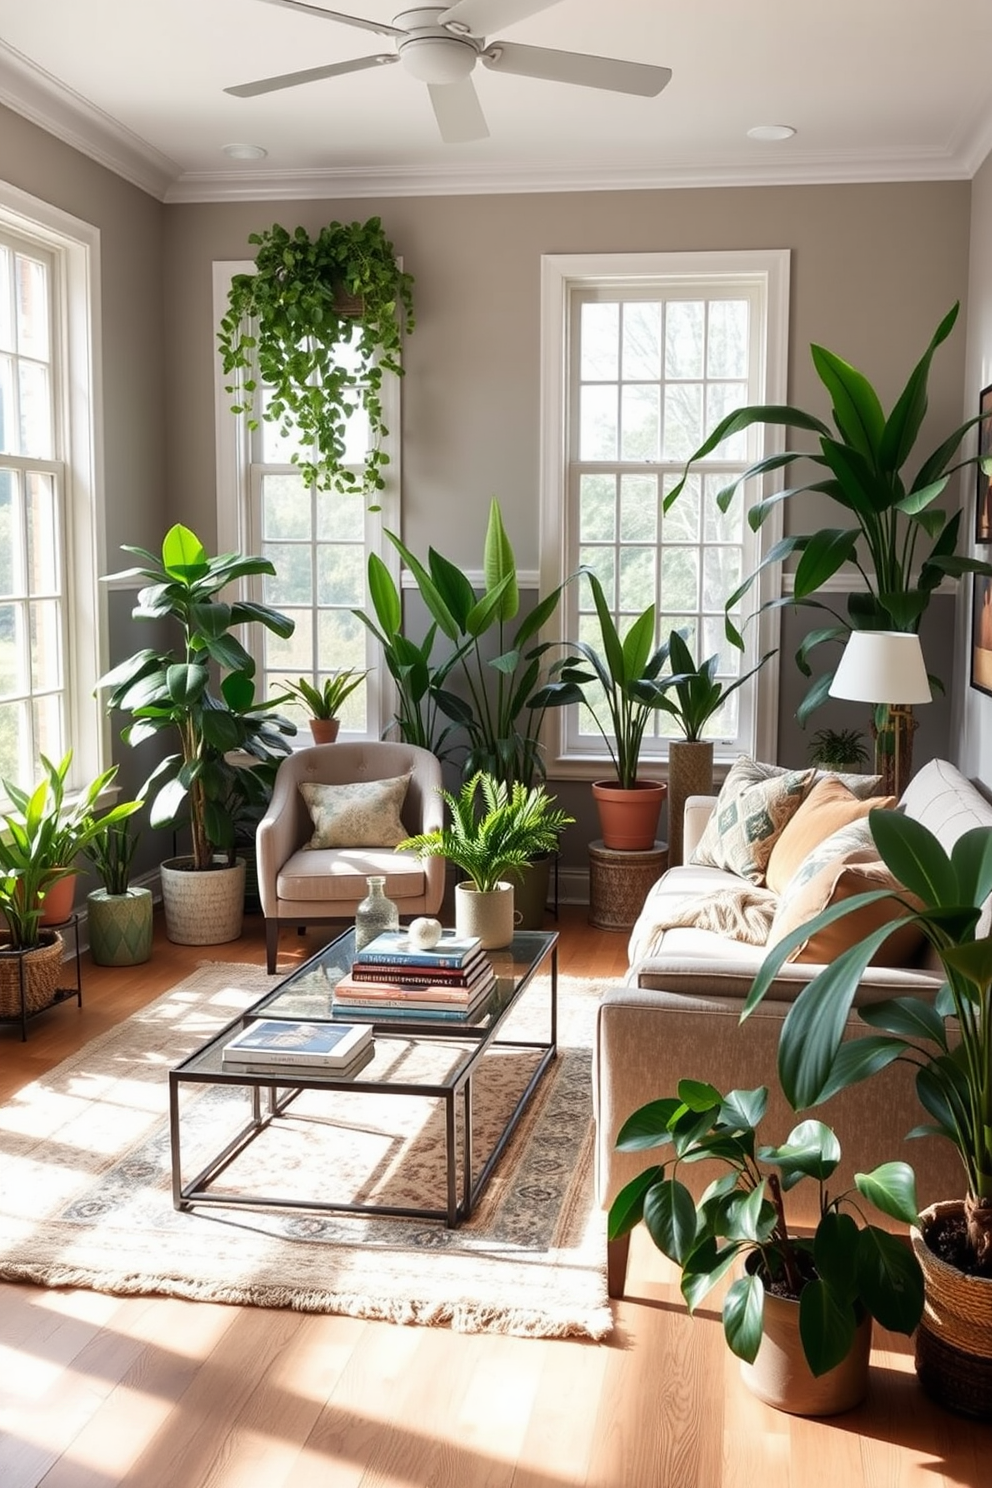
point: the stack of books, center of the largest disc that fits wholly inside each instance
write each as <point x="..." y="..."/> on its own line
<point x="390" y="978"/>
<point x="284" y="1046"/>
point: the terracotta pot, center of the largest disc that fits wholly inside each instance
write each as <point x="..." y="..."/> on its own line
<point x="120" y="927"/>
<point x="325" y="730"/>
<point x="781" y="1376"/>
<point x="203" y="908"/>
<point x="954" y="1339"/>
<point x="628" y="819"/>
<point x="489" y="915"/>
<point x="58" y="901"/>
<point x="690" y="773"/>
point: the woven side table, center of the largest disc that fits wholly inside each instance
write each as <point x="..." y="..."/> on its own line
<point x="619" y="883"/>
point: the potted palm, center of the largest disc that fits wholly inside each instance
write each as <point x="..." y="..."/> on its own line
<point x="119" y="915"/>
<point x="324" y="701"/>
<point x="512" y="825"/>
<point x="799" y="1317"/>
<point x="949" y="1041"/>
<point x="895" y="532"/>
<point x="172" y="692"/>
<point x="697" y="694"/>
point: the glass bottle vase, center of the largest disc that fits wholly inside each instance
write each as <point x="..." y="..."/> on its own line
<point x="375" y="914"/>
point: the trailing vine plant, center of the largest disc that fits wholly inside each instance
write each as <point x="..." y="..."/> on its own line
<point x="285" y="327"/>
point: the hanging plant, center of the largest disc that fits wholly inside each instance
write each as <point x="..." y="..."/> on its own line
<point x="284" y="329"/>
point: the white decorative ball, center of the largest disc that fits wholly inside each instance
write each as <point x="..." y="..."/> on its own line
<point x="424" y="934"/>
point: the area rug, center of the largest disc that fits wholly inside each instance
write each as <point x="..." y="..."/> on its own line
<point x="85" y="1182"/>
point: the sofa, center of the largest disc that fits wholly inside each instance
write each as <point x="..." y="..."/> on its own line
<point x="678" y="1016"/>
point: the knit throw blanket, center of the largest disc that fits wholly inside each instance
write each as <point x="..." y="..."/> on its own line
<point x="743" y="914"/>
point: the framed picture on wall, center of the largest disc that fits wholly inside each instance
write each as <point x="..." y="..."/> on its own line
<point x="981" y="634"/>
<point x="983" y="503"/>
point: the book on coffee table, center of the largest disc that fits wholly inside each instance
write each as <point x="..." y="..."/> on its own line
<point x="393" y="947"/>
<point x="304" y="1071"/>
<point x="275" y="1041"/>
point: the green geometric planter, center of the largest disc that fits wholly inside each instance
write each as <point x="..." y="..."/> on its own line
<point x="120" y="927"/>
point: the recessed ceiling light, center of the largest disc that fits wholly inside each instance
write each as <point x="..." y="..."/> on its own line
<point x="768" y="132"/>
<point x="245" y="152"/>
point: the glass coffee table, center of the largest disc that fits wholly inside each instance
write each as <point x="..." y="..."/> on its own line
<point x="449" y="1055"/>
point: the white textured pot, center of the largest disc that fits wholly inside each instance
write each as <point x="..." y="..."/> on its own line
<point x="204" y="908"/>
<point x="488" y="915"/>
<point x="781" y="1376"/>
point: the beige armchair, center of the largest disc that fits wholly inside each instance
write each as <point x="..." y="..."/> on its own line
<point x="313" y="886"/>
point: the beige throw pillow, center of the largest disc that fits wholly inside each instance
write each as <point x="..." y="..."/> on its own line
<point x="828" y="807"/>
<point x="855" y="872"/>
<point x="364" y="813"/>
<point x="752" y="809"/>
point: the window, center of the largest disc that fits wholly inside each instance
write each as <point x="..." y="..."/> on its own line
<point x="50" y="539"/>
<point x="642" y="356"/>
<point x="319" y="542"/>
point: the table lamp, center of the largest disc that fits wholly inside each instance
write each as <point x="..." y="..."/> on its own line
<point x="884" y="666"/>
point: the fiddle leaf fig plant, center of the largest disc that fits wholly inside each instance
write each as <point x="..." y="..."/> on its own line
<point x="318" y="324"/>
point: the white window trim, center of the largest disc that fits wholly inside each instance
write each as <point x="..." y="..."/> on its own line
<point x="76" y="246"/>
<point x="559" y="274"/>
<point x="233" y="462"/>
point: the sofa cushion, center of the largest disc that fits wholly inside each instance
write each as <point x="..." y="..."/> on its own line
<point x="859" y="871"/>
<point x="751" y="811"/>
<point x="328" y="876"/>
<point x="829" y="806"/>
<point x="362" y="813"/>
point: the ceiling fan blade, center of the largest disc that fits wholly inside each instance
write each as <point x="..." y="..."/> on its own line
<point x="482" y="17"/>
<point x="458" y="112"/>
<point x="335" y="15"/>
<point x="576" y="67"/>
<point x="309" y="75"/>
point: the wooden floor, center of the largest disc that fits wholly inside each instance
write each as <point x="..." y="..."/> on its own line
<point x="97" y="1391"/>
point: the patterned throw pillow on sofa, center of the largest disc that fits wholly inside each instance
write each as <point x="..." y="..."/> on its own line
<point x="753" y="806"/>
<point x="363" y="813"/>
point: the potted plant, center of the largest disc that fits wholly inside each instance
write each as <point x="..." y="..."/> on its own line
<point x="172" y="693"/>
<point x="119" y="915"/>
<point x="838" y="749"/>
<point x="799" y="1318"/>
<point x="325" y="313"/>
<point x="948" y="1040"/>
<point x="894" y="530"/>
<point x="512" y="825"/>
<point x="324" y="701"/>
<point x="626" y="683"/>
<point x="696" y="695"/>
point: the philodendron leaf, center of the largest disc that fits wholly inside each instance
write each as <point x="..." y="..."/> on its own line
<point x="971" y="858"/>
<point x="670" y="1218"/>
<point x="890" y="1282"/>
<point x="891" y="1187"/>
<point x="707" y="1265"/>
<point x="627" y="1208"/>
<point x="743" y="1109"/>
<point x="834" y="1247"/>
<point x="915" y="857"/>
<point x="909" y="1016"/>
<point x="826" y="1327"/>
<point x="699" y="1096"/>
<point x="812" y="1150"/>
<point x="743" y="1314"/>
<point x="649" y="1126"/>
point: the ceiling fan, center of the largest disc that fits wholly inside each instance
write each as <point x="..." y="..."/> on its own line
<point x="440" y="46"/>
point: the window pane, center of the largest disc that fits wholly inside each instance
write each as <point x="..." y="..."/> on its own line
<point x="600" y="330"/>
<point x="641" y="419"/>
<point x="679" y="579"/>
<point x="49" y="730"/>
<point x="727" y="346"/>
<point x="6" y="301"/>
<point x="721" y="576"/>
<point x="10" y="543"/>
<point x="718" y="526"/>
<point x="684" y="336"/>
<point x="46" y="647"/>
<point x="641" y="341"/>
<point x="340" y="517"/>
<point x="14" y="736"/>
<point x="292" y="583"/>
<point x="32" y="308"/>
<point x="602" y="561"/>
<point x="683" y="420"/>
<point x="723" y="398"/>
<point x="638" y="508"/>
<point x="680" y="523"/>
<point x="286" y="508"/>
<point x="13" y="652"/>
<point x="277" y="448"/>
<point x="597" y="508"/>
<point x="637" y="578"/>
<point x="598" y="423"/>
<point x="715" y="643"/>
<point x="44" y="564"/>
<point x="340" y="641"/>
<point x="292" y="657"/>
<point x="340" y="575"/>
<point x="9" y="432"/>
<point x="36" y="410"/>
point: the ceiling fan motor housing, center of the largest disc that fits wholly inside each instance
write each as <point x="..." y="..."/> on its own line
<point x="430" y="52"/>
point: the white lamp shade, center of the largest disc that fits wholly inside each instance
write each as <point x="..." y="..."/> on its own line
<point x="882" y="666"/>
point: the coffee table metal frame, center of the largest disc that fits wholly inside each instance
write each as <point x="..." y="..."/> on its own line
<point x="530" y="949"/>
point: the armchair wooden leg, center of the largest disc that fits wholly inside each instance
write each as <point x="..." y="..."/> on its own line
<point x="271" y="945"/>
<point x="616" y="1265"/>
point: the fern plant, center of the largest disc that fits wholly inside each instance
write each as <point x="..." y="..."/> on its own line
<point x="514" y="825"/>
<point x="326" y="699"/>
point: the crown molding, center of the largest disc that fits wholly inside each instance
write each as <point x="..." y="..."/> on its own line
<point x="42" y="99"/>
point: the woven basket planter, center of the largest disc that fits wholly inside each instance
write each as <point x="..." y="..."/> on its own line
<point x="954" y="1339"/>
<point x="42" y="968"/>
<point x="690" y="773"/>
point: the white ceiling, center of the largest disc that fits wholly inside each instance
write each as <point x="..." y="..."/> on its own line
<point x="877" y="90"/>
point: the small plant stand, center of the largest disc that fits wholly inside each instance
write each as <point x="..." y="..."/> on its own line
<point x="61" y="994"/>
<point x="619" y="882"/>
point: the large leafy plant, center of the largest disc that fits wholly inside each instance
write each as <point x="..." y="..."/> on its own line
<point x="949" y="1040"/>
<point x="323" y="320"/>
<point x="512" y="825"/>
<point x="498" y="708"/>
<point x="896" y="530"/>
<point x="174" y="693"/>
<point x="843" y="1270"/>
